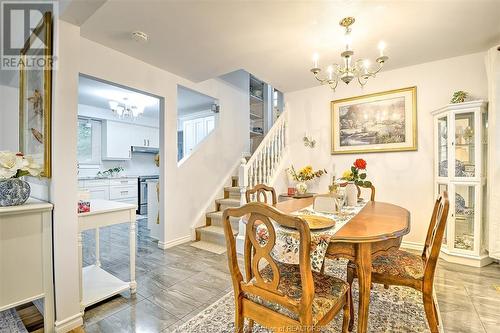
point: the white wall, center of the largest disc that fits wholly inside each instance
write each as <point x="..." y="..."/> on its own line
<point x="9" y="118"/>
<point x="402" y="178"/>
<point x="63" y="185"/>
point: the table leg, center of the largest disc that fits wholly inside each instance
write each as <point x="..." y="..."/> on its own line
<point x="133" y="284"/>
<point x="80" y="265"/>
<point x="364" y="261"/>
<point x="97" y="255"/>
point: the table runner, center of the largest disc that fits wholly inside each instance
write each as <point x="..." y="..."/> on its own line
<point x="286" y="249"/>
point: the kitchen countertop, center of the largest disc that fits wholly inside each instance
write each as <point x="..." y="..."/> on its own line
<point x="95" y="177"/>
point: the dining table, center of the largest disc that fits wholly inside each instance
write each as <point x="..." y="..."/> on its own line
<point x="375" y="230"/>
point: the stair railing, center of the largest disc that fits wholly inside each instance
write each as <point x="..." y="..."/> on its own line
<point x="262" y="165"/>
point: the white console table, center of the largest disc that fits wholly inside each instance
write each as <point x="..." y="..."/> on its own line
<point x="26" y="257"/>
<point x="95" y="283"/>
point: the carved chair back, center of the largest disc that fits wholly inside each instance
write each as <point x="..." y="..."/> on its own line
<point x="372" y="192"/>
<point x="259" y="192"/>
<point x="257" y="250"/>
<point x="435" y="234"/>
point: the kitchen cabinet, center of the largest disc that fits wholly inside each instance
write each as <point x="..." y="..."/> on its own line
<point x="144" y="136"/>
<point x="115" y="189"/>
<point x="116" y="140"/>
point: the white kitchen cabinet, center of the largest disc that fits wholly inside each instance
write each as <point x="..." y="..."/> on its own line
<point x="145" y="136"/>
<point x="100" y="192"/>
<point x="123" y="192"/>
<point x="115" y="189"/>
<point x="116" y="140"/>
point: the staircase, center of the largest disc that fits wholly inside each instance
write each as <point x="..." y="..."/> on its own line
<point x="211" y="236"/>
<point x="261" y="168"/>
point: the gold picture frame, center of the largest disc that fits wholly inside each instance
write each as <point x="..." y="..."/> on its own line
<point x="35" y="94"/>
<point x="379" y="122"/>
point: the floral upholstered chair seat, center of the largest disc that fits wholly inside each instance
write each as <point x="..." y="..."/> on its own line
<point x="399" y="263"/>
<point x="328" y="291"/>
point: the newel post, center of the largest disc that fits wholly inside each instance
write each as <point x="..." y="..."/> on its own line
<point x="243" y="184"/>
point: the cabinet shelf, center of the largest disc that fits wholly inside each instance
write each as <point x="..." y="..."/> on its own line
<point x="255" y="116"/>
<point x="255" y="99"/>
<point x="254" y="134"/>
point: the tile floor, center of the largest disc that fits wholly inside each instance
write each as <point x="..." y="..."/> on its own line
<point x="176" y="284"/>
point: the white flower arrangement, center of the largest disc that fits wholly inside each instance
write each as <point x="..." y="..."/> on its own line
<point x="15" y="165"/>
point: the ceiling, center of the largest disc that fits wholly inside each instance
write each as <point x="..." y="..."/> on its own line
<point x="275" y="40"/>
<point x="98" y="94"/>
<point x="190" y="101"/>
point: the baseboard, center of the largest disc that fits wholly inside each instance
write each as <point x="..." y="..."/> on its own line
<point x="174" y="242"/>
<point x="412" y="245"/>
<point x="68" y="324"/>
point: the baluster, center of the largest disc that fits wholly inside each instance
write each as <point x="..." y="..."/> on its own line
<point x="262" y="166"/>
<point x="273" y="160"/>
<point x="250" y="175"/>
<point x="269" y="162"/>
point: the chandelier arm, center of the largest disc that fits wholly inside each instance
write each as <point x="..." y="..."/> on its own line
<point x="335" y="85"/>
<point x="380" y="65"/>
<point x="362" y="82"/>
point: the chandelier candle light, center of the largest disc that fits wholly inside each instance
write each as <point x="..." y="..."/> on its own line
<point x="350" y="69"/>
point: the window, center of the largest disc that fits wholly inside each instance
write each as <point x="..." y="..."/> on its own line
<point x="89" y="139"/>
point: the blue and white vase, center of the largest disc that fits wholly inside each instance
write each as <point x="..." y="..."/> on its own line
<point x="14" y="192"/>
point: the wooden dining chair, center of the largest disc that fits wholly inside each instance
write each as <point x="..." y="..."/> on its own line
<point x="372" y="192"/>
<point x="283" y="297"/>
<point x="260" y="191"/>
<point x="403" y="268"/>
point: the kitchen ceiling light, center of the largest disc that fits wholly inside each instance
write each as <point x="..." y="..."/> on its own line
<point x="126" y="108"/>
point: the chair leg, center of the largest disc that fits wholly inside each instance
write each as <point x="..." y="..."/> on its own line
<point x="430" y="313"/>
<point x="347" y="313"/>
<point x="239" y="320"/>
<point x="350" y="279"/>
<point x="386" y="286"/>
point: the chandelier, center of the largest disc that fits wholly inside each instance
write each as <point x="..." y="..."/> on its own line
<point x="350" y="68"/>
<point x="126" y="109"/>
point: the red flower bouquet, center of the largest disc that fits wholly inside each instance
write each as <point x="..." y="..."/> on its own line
<point x="357" y="174"/>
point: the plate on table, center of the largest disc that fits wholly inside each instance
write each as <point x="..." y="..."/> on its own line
<point x="317" y="222"/>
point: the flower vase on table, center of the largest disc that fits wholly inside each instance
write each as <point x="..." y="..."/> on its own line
<point x="354" y="177"/>
<point x="304" y="175"/>
<point x="13" y="190"/>
<point x="351" y="193"/>
<point x="301" y="188"/>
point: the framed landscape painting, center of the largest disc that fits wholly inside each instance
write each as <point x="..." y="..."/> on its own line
<point x="35" y="90"/>
<point x="380" y="122"/>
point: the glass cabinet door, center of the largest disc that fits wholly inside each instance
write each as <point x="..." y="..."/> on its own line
<point x="442" y="125"/>
<point x="465" y="164"/>
<point x="465" y="202"/>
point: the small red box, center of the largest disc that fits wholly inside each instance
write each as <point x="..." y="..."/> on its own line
<point x="291" y="191"/>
